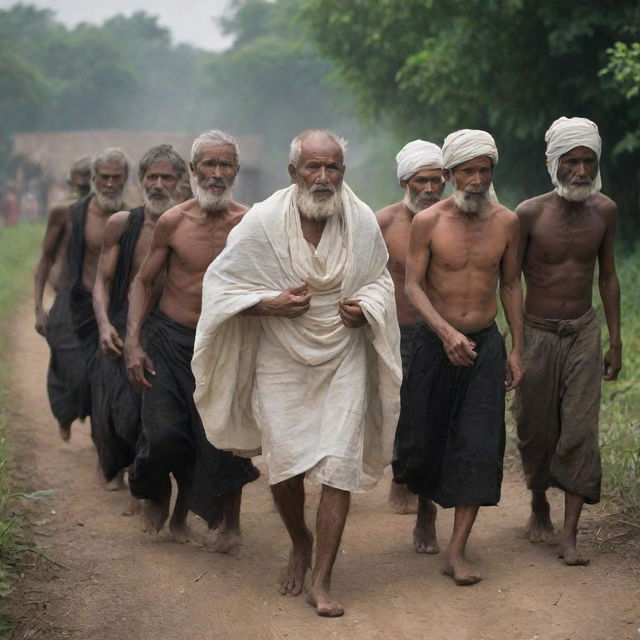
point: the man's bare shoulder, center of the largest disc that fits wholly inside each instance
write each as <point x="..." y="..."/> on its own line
<point x="605" y="205"/>
<point x="388" y="214"/>
<point x="236" y="212"/>
<point x="531" y="208"/>
<point x="60" y="213"/>
<point x="427" y="219"/>
<point x="115" y="226"/>
<point x="505" y="215"/>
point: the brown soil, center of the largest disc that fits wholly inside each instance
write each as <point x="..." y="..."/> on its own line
<point x="111" y="581"/>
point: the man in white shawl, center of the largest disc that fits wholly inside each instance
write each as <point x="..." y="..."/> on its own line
<point x="563" y="234"/>
<point x="420" y="176"/>
<point x="451" y="434"/>
<point x="297" y="352"/>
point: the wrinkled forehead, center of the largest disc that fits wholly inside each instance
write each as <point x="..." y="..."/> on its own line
<point x="212" y="150"/>
<point x="162" y="167"/>
<point x="580" y="153"/>
<point x="110" y="169"/>
<point x="480" y="162"/>
<point x="318" y="146"/>
<point x="429" y="171"/>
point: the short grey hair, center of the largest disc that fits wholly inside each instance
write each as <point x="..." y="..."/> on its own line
<point x="110" y="155"/>
<point x="217" y="137"/>
<point x="295" y="150"/>
<point x="161" y="153"/>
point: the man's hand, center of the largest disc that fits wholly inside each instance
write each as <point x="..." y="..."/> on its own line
<point x="612" y="363"/>
<point x="291" y="303"/>
<point x="42" y="321"/>
<point x="351" y="314"/>
<point x="110" y="342"/>
<point x="459" y="349"/>
<point x="137" y="362"/>
<point x="513" y="372"/>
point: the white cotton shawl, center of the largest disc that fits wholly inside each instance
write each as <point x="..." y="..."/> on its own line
<point x="566" y="134"/>
<point x="416" y="155"/>
<point x="467" y="144"/>
<point x="315" y="396"/>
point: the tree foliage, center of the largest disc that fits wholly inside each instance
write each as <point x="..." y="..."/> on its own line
<point x="509" y="66"/>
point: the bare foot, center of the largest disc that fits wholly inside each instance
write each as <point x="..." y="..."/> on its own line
<point x="292" y="576"/>
<point x="325" y="606"/>
<point x="540" y="528"/>
<point x="401" y="500"/>
<point x="570" y="554"/>
<point x="154" y="515"/>
<point x="117" y="483"/>
<point x="425" y="541"/>
<point x="462" y="574"/>
<point x="133" y="507"/>
<point x="182" y="534"/>
<point x="225" y="542"/>
<point x="64" y="430"/>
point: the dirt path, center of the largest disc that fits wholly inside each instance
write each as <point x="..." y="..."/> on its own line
<point x="118" y="583"/>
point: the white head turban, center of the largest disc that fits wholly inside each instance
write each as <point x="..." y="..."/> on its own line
<point x="467" y="144"/>
<point x="416" y="155"/>
<point x="566" y="134"/>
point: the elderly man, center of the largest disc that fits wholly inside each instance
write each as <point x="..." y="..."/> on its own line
<point x="297" y="352"/>
<point x="127" y="236"/>
<point x="185" y="241"/>
<point x="563" y="234"/>
<point x="450" y="440"/>
<point x="419" y="171"/>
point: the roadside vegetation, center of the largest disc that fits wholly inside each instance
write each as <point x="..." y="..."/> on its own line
<point x="18" y="251"/>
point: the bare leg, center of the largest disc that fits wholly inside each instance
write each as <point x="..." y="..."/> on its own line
<point x="64" y="429"/>
<point x="180" y="532"/>
<point x="456" y="566"/>
<point x="155" y="514"/>
<point x="229" y="535"/>
<point x="572" y="509"/>
<point x="332" y="515"/>
<point x="289" y="499"/>
<point x="401" y="499"/>
<point x="424" y="534"/>
<point x="117" y="484"/>
<point x="540" y="528"/>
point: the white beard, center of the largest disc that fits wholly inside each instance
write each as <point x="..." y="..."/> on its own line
<point x="470" y="203"/>
<point x="413" y="203"/>
<point x="318" y="209"/>
<point x="211" y="201"/>
<point x="109" y="204"/>
<point x="576" y="192"/>
<point x="157" y="207"/>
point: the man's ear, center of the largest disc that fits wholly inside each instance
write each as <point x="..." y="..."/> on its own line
<point x="446" y="174"/>
<point x="237" y="169"/>
<point x="191" y="167"/>
<point x="403" y="184"/>
<point x="293" y="173"/>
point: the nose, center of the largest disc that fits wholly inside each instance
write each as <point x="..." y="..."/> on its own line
<point x="158" y="182"/>
<point x="323" y="177"/>
<point x="428" y="188"/>
<point x="581" y="169"/>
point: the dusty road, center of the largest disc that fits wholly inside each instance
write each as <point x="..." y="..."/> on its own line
<point x="115" y="582"/>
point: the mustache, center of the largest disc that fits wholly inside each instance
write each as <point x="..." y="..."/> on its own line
<point x="157" y="191"/>
<point x="323" y="187"/>
<point x="214" y="182"/>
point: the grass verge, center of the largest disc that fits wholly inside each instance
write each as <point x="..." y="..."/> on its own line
<point x="18" y="251"/>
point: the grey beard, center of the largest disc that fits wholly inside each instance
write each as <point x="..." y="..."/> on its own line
<point x="210" y="201"/>
<point x="318" y="210"/>
<point x="413" y="203"/>
<point x="576" y="192"/>
<point x="157" y="207"/>
<point x="109" y="204"/>
<point x="470" y="203"/>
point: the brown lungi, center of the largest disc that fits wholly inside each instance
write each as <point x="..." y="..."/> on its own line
<point x="557" y="405"/>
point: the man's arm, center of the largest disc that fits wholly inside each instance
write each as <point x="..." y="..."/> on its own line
<point x="610" y="294"/>
<point x="110" y="341"/>
<point x="525" y="213"/>
<point x="53" y="237"/>
<point x="291" y="303"/>
<point x="141" y="298"/>
<point x="458" y="347"/>
<point x="511" y="298"/>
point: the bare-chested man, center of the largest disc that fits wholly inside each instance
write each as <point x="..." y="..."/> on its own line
<point x="419" y="172"/>
<point x="67" y="380"/>
<point x="186" y="239"/>
<point x="563" y="234"/>
<point x="127" y="237"/>
<point x="450" y="449"/>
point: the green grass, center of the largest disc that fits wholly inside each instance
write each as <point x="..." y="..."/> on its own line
<point x="18" y="252"/>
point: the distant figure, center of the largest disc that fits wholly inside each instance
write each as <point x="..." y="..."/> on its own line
<point x="80" y="178"/>
<point x="115" y="418"/>
<point x="186" y="239"/>
<point x="297" y="352"/>
<point x="450" y="447"/>
<point x="563" y="234"/>
<point x="420" y="175"/>
<point x="10" y="205"/>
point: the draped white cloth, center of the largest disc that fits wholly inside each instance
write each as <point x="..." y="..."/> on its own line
<point x="467" y="144"/>
<point x="313" y="395"/>
<point x="566" y="134"/>
<point x="416" y="155"/>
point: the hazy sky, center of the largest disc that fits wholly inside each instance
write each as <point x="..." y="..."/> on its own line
<point x="190" y="21"/>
